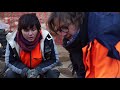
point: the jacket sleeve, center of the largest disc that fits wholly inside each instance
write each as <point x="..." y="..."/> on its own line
<point x="12" y="62"/>
<point x="49" y="45"/>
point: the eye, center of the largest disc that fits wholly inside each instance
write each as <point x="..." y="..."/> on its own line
<point x="59" y="30"/>
<point x="64" y="29"/>
<point x="34" y="29"/>
<point x="26" y="30"/>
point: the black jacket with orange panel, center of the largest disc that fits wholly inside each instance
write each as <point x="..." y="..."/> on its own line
<point x="43" y="57"/>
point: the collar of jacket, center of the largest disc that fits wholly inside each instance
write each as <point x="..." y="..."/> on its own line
<point x="74" y="45"/>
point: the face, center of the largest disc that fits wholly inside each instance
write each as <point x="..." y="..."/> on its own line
<point x="67" y="30"/>
<point x="30" y="34"/>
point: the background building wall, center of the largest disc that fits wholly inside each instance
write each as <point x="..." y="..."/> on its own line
<point x="11" y="18"/>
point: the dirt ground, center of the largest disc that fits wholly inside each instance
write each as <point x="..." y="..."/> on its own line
<point x="65" y="68"/>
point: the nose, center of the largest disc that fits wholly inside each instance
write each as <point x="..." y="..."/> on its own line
<point x="30" y="32"/>
<point x="64" y="33"/>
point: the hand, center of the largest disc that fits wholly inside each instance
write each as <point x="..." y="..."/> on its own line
<point x="32" y="73"/>
<point x="24" y="72"/>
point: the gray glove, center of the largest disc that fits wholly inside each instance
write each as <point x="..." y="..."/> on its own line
<point x="24" y="72"/>
<point x="32" y="73"/>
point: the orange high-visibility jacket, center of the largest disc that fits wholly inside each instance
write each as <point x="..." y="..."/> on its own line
<point x="98" y="64"/>
<point x="33" y="58"/>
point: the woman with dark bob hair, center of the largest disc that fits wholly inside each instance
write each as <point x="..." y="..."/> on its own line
<point x="31" y="51"/>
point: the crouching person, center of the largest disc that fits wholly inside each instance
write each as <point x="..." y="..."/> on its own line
<point x="30" y="51"/>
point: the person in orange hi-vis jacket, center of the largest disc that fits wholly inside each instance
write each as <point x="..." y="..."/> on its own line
<point x="99" y="39"/>
<point x="31" y="51"/>
<point x="102" y="54"/>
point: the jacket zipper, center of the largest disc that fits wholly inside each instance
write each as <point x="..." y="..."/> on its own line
<point x="30" y="60"/>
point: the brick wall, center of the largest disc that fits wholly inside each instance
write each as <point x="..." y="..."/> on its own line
<point x="11" y="18"/>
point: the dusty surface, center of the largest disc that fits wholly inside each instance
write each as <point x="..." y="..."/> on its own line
<point x="63" y="54"/>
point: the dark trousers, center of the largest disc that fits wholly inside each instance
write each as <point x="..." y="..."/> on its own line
<point x="49" y="74"/>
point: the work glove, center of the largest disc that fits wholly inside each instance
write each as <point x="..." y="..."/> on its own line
<point x="32" y="73"/>
<point x="24" y="72"/>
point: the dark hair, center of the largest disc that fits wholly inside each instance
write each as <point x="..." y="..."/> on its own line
<point x="28" y="21"/>
<point x="74" y="18"/>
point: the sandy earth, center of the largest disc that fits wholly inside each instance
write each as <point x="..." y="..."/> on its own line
<point x="65" y="69"/>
